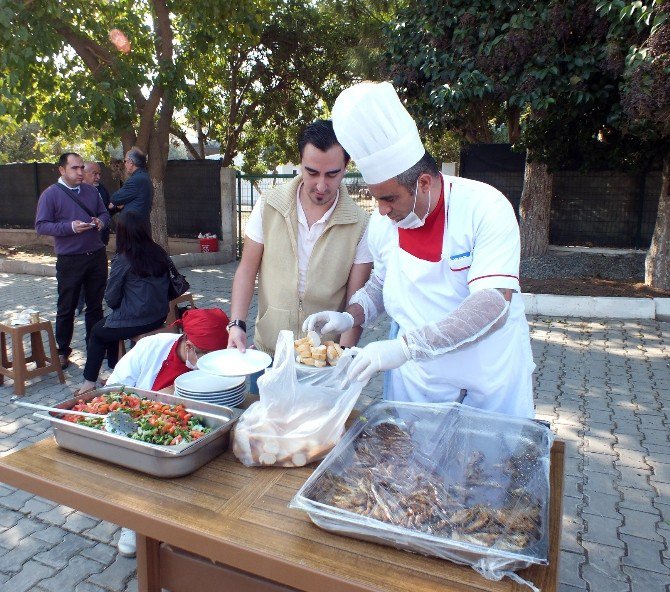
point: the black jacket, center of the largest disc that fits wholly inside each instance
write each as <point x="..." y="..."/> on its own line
<point x="134" y="300"/>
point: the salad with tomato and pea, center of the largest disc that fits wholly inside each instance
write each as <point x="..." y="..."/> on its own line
<point x="158" y="423"/>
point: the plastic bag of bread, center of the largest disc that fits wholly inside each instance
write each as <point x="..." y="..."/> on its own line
<point x="298" y="418"/>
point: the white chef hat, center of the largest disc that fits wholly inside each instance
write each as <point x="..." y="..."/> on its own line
<point x="372" y="125"/>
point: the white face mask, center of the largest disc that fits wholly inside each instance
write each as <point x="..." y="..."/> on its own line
<point x="188" y="362"/>
<point x="412" y="221"/>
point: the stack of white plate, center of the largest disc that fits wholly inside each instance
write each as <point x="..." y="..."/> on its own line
<point x="218" y="390"/>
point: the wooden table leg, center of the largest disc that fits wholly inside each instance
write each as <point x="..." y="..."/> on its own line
<point x="148" y="564"/>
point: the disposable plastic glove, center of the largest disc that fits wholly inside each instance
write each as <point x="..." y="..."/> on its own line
<point x="328" y="321"/>
<point x="376" y="357"/>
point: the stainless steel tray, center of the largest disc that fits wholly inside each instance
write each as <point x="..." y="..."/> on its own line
<point x="443" y="441"/>
<point x="154" y="459"/>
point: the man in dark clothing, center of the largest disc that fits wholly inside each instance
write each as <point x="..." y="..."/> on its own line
<point x="136" y="195"/>
<point x="92" y="175"/>
<point x="73" y="213"/>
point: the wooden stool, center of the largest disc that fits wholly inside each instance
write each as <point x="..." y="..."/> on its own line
<point x="174" y="306"/>
<point x="16" y="369"/>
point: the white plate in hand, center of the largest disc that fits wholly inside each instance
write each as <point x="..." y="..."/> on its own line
<point x="230" y="362"/>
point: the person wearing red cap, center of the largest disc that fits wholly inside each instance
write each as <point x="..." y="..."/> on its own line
<point x="156" y="361"/>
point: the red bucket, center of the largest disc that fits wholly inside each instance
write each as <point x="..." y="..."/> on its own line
<point x="209" y="245"/>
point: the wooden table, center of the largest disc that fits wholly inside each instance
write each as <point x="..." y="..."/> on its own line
<point x="227" y="527"/>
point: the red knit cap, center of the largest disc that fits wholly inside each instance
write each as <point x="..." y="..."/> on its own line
<point x="206" y="328"/>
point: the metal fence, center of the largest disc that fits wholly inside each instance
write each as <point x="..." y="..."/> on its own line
<point x="192" y="194"/>
<point x="251" y="187"/>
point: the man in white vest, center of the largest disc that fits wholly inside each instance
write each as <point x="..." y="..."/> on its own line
<point x="446" y="269"/>
<point x="306" y="242"/>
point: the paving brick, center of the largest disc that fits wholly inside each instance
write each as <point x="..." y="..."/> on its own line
<point x="569" y="569"/>
<point x="27" y="576"/>
<point x="20" y="553"/>
<point x="103" y="531"/>
<point x="78" y="570"/>
<point x="658" y="437"/>
<point x="8" y="517"/>
<point x="631" y="458"/>
<point x="636" y="522"/>
<point x="101" y="552"/>
<point x="634" y="477"/>
<point x="605" y="559"/>
<point x="645" y="554"/>
<point x="60" y="554"/>
<point x="661" y="472"/>
<point x="89" y="587"/>
<point x="52" y="534"/>
<point x="602" y="530"/>
<point x="16" y="499"/>
<point x="573" y="485"/>
<point x="646" y="581"/>
<point x="600" y="580"/>
<point x="637" y="499"/>
<point x="57" y="515"/>
<point x="79" y="522"/>
<point x="597" y="482"/>
<point x="600" y="463"/>
<point x="602" y="504"/>
<point x="37" y="506"/>
<point x="661" y="487"/>
<point x="20" y="531"/>
<point x="115" y="575"/>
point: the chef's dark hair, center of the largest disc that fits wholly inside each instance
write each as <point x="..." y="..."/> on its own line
<point x="321" y="135"/>
<point x="138" y="157"/>
<point x="409" y="178"/>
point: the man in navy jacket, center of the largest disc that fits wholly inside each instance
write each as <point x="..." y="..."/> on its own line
<point x="136" y="195"/>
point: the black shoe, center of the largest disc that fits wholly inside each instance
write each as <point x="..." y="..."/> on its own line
<point x="64" y="361"/>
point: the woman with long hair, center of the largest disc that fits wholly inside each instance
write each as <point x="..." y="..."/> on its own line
<point x="137" y="293"/>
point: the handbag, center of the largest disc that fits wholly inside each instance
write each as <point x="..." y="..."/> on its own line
<point x="178" y="283"/>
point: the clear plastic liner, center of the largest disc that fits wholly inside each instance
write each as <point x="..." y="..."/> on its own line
<point x="371" y="299"/>
<point x="478" y="315"/>
<point x="442" y="480"/>
<point x="300" y="415"/>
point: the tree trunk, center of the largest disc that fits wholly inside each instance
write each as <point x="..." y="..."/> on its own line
<point x="535" y="208"/>
<point x="159" y="146"/>
<point x="657" y="263"/>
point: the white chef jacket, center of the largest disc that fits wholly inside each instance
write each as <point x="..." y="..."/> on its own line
<point x="307" y="237"/>
<point x="140" y="366"/>
<point x="480" y="250"/>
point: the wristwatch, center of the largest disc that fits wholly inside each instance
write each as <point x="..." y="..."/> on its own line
<point x="237" y="323"/>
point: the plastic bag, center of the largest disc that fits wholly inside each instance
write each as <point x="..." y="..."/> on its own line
<point x="300" y="415"/>
<point x="443" y="480"/>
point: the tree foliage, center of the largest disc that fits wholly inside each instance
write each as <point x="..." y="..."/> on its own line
<point x="247" y="74"/>
<point x="253" y="91"/>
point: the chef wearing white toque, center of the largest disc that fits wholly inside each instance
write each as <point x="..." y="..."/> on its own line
<point x="446" y="269"/>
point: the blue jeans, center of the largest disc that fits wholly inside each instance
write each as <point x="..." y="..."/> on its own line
<point x="253" y="381"/>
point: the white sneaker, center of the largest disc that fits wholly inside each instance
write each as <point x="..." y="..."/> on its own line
<point x="126" y="544"/>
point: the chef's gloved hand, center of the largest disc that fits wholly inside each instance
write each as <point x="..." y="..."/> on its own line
<point x="328" y="321"/>
<point x="378" y="356"/>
